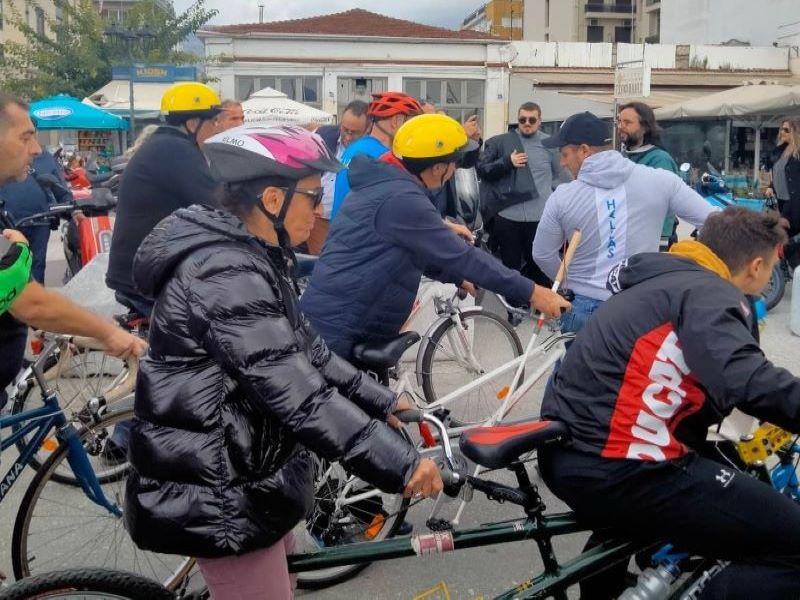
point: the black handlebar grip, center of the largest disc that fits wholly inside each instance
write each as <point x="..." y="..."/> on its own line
<point x="409" y="416"/>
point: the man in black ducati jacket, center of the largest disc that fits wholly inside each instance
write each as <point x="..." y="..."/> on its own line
<point x="669" y="354"/>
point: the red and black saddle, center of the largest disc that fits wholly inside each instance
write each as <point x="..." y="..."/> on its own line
<point x="500" y="445"/>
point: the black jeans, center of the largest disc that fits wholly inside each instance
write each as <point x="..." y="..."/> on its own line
<point x="700" y="506"/>
<point x="515" y="241"/>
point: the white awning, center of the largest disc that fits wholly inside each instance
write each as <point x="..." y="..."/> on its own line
<point x="755" y="101"/>
<point x="271" y="107"/>
<point x="114" y="97"/>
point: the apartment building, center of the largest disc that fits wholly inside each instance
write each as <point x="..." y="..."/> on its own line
<point x="501" y="18"/>
<point x="615" y="21"/>
<point x="114" y="11"/>
<point x="36" y="16"/>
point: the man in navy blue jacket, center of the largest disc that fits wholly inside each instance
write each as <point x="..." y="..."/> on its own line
<point x="389" y="233"/>
<point x="26" y="198"/>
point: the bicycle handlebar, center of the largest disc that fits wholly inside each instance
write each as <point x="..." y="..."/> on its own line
<point x="451" y="476"/>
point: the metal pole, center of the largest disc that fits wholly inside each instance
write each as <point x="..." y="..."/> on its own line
<point x="132" y="118"/>
<point x="727" y="164"/>
<point x="757" y="156"/>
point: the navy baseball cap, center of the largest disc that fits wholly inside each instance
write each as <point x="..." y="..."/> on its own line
<point x="582" y="128"/>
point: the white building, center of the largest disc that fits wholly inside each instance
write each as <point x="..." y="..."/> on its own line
<point x="761" y="23"/>
<point x="615" y="21"/>
<point x="328" y="61"/>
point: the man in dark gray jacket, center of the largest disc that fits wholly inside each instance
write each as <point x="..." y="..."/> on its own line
<point x="517" y="175"/>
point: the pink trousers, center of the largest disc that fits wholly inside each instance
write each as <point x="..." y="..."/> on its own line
<point x="262" y="574"/>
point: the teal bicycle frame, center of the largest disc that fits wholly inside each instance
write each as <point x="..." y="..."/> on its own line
<point x="535" y="526"/>
<point x="554" y="581"/>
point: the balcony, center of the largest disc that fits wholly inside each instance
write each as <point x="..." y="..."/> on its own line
<point x="598" y="10"/>
<point x="652" y="6"/>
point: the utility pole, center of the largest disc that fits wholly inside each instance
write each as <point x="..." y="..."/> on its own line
<point x="129" y="37"/>
<point x="260" y="13"/>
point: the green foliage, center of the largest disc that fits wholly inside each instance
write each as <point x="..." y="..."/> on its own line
<point x="74" y="57"/>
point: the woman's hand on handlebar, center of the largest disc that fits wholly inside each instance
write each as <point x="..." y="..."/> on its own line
<point x="404" y="403"/>
<point x="13" y="236"/>
<point x="425" y="482"/>
<point x="549" y="302"/>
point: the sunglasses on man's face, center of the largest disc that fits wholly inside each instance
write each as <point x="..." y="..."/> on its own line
<point x="528" y="120"/>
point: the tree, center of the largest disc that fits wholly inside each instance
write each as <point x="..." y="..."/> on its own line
<point x="74" y="57"/>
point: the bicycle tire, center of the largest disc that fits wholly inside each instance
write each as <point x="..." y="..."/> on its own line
<point x="87" y="583"/>
<point x="436" y="344"/>
<point x="773" y="293"/>
<point x="61" y="545"/>
<point x="324" y="578"/>
<point x="22" y="401"/>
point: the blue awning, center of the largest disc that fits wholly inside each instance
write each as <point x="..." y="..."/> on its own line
<point x="66" y="112"/>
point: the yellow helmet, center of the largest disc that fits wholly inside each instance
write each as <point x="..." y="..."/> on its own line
<point x="432" y="138"/>
<point x="190" y="100"/>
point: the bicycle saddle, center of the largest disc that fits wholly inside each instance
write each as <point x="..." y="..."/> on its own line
<point x="384" y="354"/>
<point x="500" y="445"/>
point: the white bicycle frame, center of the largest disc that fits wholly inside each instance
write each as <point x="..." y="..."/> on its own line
<point x="515" y="393"/>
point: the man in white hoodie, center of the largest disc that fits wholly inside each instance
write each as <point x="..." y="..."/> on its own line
<point x="619" y="207"/>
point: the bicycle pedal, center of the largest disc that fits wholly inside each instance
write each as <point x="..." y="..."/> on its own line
<point x="439" y="525"/>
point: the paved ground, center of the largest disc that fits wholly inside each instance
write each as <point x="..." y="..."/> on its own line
<point x="468" y="574"/>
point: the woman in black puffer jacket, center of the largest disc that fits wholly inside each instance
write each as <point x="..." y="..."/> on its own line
<point x="236" y="390"/>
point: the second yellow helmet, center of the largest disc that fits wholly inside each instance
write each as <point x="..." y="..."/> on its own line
<point x="431" y="136"/>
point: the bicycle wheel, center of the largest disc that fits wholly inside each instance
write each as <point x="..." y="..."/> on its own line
<point x="346" y="510"/>
<point x="78" y="584"/>
<point x="76" y="375"/>
<point x="775" y="289"/>
<point x="59" y="527"/>
<point x="456" y="356"/>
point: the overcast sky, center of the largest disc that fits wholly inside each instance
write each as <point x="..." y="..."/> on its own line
<point x="444" y="13"/>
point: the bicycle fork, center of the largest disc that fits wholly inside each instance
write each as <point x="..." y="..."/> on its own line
<point x="78" y="460"/>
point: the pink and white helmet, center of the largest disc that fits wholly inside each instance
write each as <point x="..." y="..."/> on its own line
<point x="247" y="152"/>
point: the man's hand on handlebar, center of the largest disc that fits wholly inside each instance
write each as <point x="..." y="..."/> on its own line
<point x="122" y="344"/>
<point x="461" y="231"/>
<point x="469" y="287"/>
<point x="13" y="236"/>
<point x="549" y="302"/>
<point x="425" y="482"/>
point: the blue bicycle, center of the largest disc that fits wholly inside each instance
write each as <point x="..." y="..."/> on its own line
<point x="62" y="525"/>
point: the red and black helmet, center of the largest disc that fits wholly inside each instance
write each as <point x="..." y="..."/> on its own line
<point x="388" y="104"/>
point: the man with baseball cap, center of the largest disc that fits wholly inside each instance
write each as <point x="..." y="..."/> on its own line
<point x="619" y="207"/>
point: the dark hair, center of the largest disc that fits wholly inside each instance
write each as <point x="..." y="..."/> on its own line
<point x="418" y="165"/>
<point x="530" y="107"/>
<point x="5" y="101"/>
<point x="738" y="235"/>
<point x="357" y="107"/>
<point x="647" y="119"/>
<point x="240" y="197"/>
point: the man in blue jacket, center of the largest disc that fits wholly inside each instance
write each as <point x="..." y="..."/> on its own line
<point x="389" y="233"/>
<point x="26" y="198"/>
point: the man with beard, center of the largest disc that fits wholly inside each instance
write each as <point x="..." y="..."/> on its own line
<point x="517" y="176"/>
<point x="641" y="138"/>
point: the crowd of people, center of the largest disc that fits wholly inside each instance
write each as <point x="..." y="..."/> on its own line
<point x="242" y="380"/>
